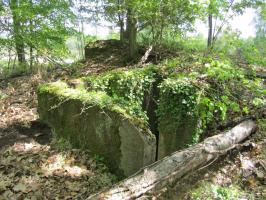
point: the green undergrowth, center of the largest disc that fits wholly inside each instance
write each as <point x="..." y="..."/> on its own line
<point x="210" y="92"/>
<point x="126" y="88"/>
<point x="229" y="92"/>
<point x="210" y="191"/>
<point x="213" y="93"/>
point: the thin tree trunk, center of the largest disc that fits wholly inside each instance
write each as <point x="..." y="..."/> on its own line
<point x="31" y="59"/>
<point x="30" y="44"/>
<point x="9" y="59"/>
<point x="14" y="64"/>
<point x="121" y="21"/>
<point x="122" y="30"/>
<point x="171" y="168"/>
<point x="126" y="31"/>
<point x="210" y="34"/>
<point x="82" y="37"/>
<point x="17" y="32"/>
<point x="132" y="34"/>
<point x="145" y="56"/>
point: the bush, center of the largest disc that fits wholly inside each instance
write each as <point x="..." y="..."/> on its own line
<point x="250" y="51"/>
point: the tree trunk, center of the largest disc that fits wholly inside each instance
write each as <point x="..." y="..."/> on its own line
<point x="30" y="44"/>
<point x="121" y="21"/>
<point x="126" y="31"/>
<point x="17" y="32"/>
<point x="122" y="30"/>
<point x="81" y="32"/>
<point x="31" y="59"/>
<point x="210" y="34"/>
<point x="173" y="167"/>
<point x="146" y="55"/>
<point x="132" y="34"/>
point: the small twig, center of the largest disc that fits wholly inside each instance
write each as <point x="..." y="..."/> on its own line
<point x="59" y="104"/>
<point x="210" y="163"/>
<point x="263" y="164"/>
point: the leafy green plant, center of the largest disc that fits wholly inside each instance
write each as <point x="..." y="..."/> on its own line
<point x="222" y="71"/>
<point x="212" y="191"/>
<point x="127" y="88"/>
<point x="250" y="50"/>
<point x="228" y="91"/>
<point x="224" y="193"/>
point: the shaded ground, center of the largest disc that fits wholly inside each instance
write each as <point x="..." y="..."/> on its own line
<point x="104" y="55"/>
<point x="29" y="170"/>
<point x="21" y="133"/>
<point x="18" y="110"/>
<point x="32" y="165"/>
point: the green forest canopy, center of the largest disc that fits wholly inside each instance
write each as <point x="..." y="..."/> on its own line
<point x="34" y="30"/>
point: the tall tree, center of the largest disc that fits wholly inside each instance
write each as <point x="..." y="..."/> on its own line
<point x="38" y="27"/>
<point x="210" y="23"/>
<point x="121" y="20"/>
<point x="18" y="30"/>
<point x="132" y="33"/>
<point x="260" y="38"/>
<point x="221" y="11"/>
<point x="155" y="15"/>
<point x="261" y="22"/>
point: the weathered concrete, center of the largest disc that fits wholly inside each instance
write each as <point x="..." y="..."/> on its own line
<point x="125" y="146"/>
<point x="171" y="140"/>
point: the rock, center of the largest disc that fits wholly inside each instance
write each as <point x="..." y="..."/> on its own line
<point x="260" y="175"/>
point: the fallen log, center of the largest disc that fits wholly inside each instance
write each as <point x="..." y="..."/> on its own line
<point x="166" y="171"/>
<point x="261" y="75"/>
<point x="255" y="114"/>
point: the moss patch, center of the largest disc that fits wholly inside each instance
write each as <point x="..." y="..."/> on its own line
<point x="89" y="98"/>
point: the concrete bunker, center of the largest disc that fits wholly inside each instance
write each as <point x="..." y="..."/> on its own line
<point x="131" y="118"/>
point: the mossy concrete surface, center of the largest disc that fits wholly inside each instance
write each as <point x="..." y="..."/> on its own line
<point x="90" y="120"/>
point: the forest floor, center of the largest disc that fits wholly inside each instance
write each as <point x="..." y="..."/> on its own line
<point x="33" y="166"/>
